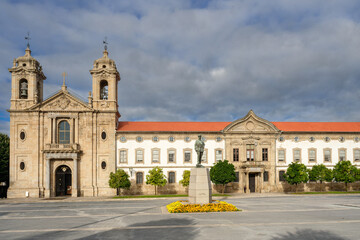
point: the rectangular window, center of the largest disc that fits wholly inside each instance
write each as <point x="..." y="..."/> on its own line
<point x="155" y="155"/>
<point x="236" y="177"/>
<point x="327" y="155"/>
<point x="266" y="176"/>
<point x="297" y="156"/>
<point x="139" y="155"/>
<point x="171" y="177"/>
<point x="265" y="154"/>
<point x="342" y="155"/>
<point x="218" y="155"/>
<point x="281" y="155"/>
<point x="356" y="155"/>
<point x="281" y="176"/>
<point x="235" y="154"/>
<point x="250" y="152"/>
<point x="312" y="155"/>
<point x="171" y="155"/>
<point x="123" y="157"/>
<point x="204" y="156"/>
<point x="187" y="156"/>
<point x="139" y="178"/>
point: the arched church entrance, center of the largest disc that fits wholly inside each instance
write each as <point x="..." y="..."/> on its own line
<point x="63" y="181"/>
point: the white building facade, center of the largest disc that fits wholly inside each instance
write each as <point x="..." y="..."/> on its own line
<point x="260" y="150"/>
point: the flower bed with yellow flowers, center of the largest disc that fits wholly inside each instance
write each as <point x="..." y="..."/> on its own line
<point x="217" y="206"/>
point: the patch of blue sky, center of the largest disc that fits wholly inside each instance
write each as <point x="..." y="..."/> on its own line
<point x="200" y="4"/>
<point x="283" y="21"/>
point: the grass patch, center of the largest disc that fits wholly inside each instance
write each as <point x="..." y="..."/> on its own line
<point x="166" y="196"/>
<point x="330" y="192"/>
<point x="216" y="206"/>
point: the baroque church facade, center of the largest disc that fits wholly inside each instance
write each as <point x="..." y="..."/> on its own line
<point x="63" y="145"/>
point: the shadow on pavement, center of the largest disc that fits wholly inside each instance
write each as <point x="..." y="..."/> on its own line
<point x="145" y="230"/>
<point x="308" y="234"/>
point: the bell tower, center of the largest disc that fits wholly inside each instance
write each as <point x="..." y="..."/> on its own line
<point x="26" y="81"/>
<point x="105" y="78"/>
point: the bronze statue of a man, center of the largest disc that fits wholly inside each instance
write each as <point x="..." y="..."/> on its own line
<point x="199" y="148"/>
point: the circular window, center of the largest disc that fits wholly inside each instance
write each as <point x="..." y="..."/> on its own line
<point x="187" y="139"/>
<point x="22" y="166"/>
<point x="22" y="135"/>
<point x="171" y="139"/>
<point x="24" y="64"/>
<point x="356" y="139"/>
<point x="296" y="139"/>
<point x="103" y="135"/>
<point x="139" y="139"/>
<point x="311" y="139"/>
<point x="122" y="139"/>
<point x="103" y="164"/>
<point x="327" y="139"/>
<point x="218" y="139"/>
<point x="341" y="139"/>
<point x="104" y="66"/>
<point x="155" y="139"/>
<point x="281" y="139"/>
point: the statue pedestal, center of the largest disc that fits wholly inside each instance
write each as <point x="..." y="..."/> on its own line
<point x="200" y="186"/>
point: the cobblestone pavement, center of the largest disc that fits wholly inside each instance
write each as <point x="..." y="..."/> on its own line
<point x="269" y="216"/>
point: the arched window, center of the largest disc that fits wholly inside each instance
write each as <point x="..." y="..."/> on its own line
<point x="64" y="132"/>
<point x="104" y="90"/>
<point x="23" y="89"/>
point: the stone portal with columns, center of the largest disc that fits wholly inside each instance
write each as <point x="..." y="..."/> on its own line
<point x="53" y="161"/>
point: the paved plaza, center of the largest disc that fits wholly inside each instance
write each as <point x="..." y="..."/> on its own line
<point x="263" y="217"/>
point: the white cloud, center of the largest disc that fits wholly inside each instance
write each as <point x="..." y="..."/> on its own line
<point x="287" y="60"/>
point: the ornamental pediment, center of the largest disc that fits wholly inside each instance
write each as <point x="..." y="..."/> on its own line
<point x="251" y="123"/>
<point x="62" y="102"/>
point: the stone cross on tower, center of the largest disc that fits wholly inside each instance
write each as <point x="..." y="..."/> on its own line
<point x="64" y="74"/>
<point x="28" y="39"/>
<point x="105" y="43"/>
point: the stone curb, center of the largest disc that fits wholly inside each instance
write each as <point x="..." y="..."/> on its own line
<point x="102" y="199"/>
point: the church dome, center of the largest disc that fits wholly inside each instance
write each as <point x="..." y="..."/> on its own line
<point x="104" y="62"/>
<point x="27" y="62"/>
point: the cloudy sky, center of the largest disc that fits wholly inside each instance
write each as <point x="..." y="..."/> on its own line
<point x="196" y="60"/>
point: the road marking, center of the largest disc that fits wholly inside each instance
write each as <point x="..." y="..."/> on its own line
<point x="163" y="210"/>
<point x="177" y="226"/>
<point x="70" y="209"/>
<point x="300" y="210"/>
<point x="79" y="216"/>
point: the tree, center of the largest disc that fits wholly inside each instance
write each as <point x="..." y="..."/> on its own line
<point x="119" y="180"/>
<point x="156" y="178"/>
<point x="185" y="181"/>
<point x="358" y="174"/>
<point x="320" y="173"/>
<point x="296" y="173"/>
<point x="222" y="173"/>
<point x="4" y="158"/>
<point x="345" y="172"/>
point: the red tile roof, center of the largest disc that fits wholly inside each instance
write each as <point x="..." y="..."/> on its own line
<point x="171" y="126"/>
<point x="218" y="126"/>
<point x="318" y="126"/>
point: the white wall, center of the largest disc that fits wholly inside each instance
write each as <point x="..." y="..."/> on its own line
<point x="319" y="145"/>
<point x="178" y="167"/>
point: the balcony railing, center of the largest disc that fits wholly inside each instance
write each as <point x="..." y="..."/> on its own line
<point x="65" y="147"/>
<point x="254" y="163"/>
